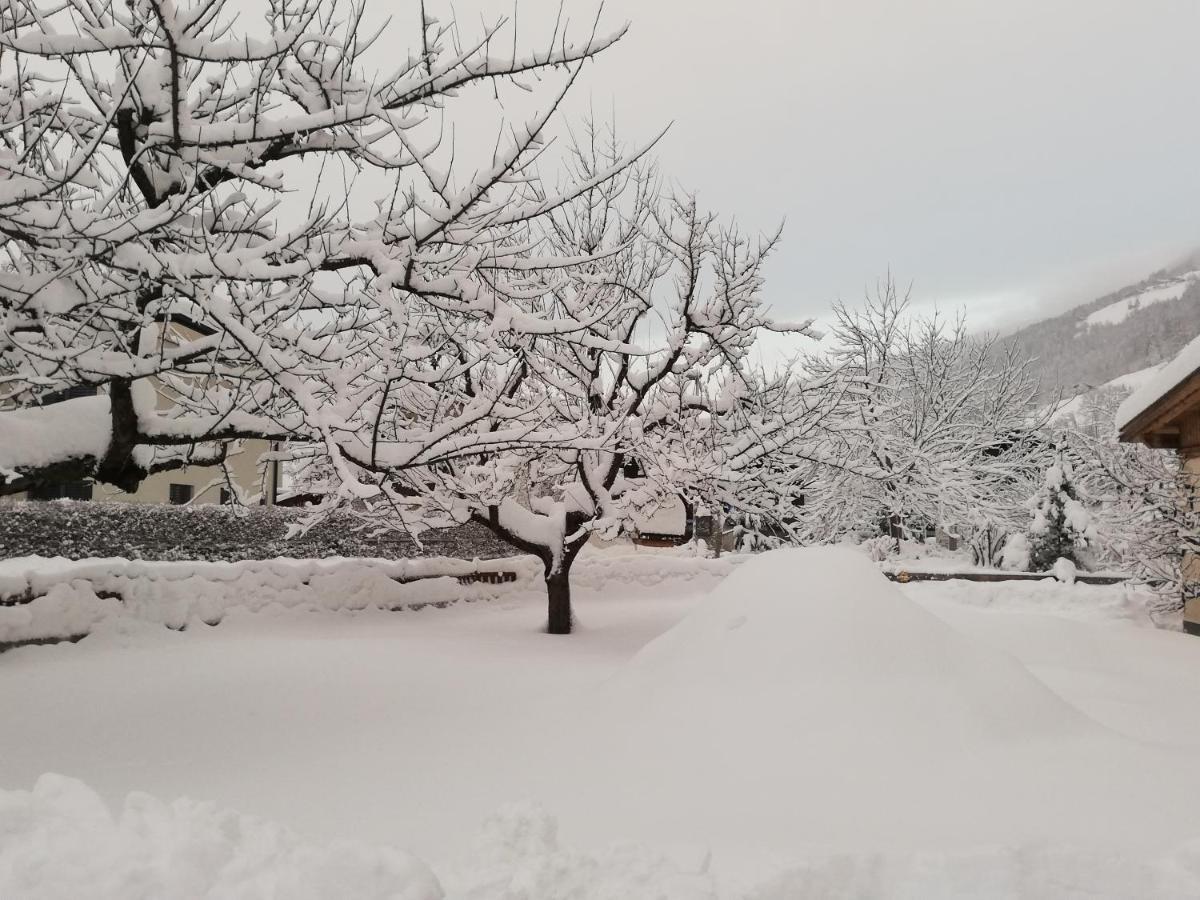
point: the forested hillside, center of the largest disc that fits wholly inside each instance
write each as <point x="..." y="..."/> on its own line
<point x="1130" y="329"/>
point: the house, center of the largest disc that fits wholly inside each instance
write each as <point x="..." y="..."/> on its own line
<point x="193" y="484"/>
<point x="190" y="485"/>
<point x="1165" y="413"/>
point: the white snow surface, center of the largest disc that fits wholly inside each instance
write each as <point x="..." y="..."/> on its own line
<point x="1118" y="312"/>
<point x="804" y="728"/>
<point x="61" y="841"/>
<point x="1168" y="377"/>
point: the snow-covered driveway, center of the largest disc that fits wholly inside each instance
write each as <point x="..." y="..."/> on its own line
<point x="805" y="714"/>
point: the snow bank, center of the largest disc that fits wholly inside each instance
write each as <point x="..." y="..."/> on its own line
<point x="61" y="841"/>
<point x="1168" y="377"/>
<point x="71" y="597"/>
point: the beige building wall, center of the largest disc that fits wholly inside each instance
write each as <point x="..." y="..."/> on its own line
<point x="251" y="477"/>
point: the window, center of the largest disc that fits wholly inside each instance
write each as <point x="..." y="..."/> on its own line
<point x="62" y="490"/>
<point x="76" y="390"/>
<point x="180" y="494"/>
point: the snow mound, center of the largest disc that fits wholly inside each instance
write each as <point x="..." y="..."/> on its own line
<point x="806" y="694"/>
<point x="820" y="635"/>
<point x="60" y="840"/>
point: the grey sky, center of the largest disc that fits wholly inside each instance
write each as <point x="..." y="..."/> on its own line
<point x="1006" y="155"/>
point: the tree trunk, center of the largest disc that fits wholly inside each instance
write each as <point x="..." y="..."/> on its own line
<point x="558" y="593"/>
<point x="558" y="589"/>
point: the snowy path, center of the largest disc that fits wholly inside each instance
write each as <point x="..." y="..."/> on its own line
<point x="1054" y="716"/>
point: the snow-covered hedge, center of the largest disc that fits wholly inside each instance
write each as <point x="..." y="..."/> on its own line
<point x="44" y="599"/>
<point x="81" y="530"/>
<point x="52" y="599"/>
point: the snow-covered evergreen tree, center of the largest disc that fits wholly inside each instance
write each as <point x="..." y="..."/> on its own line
<point x="1062" y="526"/>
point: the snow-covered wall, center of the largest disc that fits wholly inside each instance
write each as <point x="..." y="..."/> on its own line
<point x="46" y="600"/>
<point x="53" y="599"/>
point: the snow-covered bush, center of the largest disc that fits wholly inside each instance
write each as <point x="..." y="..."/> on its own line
<point x="1015" y="555"/>
<point x="880" y="547"/>
<point x="987" y="542"/>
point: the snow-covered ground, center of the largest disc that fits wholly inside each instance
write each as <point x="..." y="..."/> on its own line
<point x="803" y="729"/>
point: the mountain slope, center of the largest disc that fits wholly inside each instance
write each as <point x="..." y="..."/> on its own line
<point x="1131" y="329"/>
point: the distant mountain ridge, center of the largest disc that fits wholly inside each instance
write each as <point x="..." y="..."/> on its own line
<point x="1128" y="330"/>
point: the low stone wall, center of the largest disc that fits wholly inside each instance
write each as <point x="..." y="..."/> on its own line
<point x="81" y="530"/>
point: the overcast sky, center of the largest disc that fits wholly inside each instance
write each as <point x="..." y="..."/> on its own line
<point x="1009" y="155"/>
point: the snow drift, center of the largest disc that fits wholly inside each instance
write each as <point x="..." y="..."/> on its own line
<point x="60" y="840"/>
<point x="816" y="634"/>
<point x="807" y="693"/>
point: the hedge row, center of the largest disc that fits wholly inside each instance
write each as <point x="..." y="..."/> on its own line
<point x="80" y="530"/>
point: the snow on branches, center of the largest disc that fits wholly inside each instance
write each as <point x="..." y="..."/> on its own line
<point x="940" y="426"/>
<point x="621" y="416"/>
<point x="240" y="216"/>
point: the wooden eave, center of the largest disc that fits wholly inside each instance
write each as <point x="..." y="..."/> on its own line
<point x="1159" y="424"/>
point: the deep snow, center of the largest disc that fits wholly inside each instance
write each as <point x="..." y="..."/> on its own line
<point x="822" y="731"/>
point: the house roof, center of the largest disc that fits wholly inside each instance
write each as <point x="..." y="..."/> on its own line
<point x="1151" y="414"/>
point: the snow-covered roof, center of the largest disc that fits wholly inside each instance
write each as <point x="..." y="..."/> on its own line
<point x="1171" y="376"/>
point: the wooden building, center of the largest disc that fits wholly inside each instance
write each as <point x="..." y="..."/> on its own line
<point x="1165" y="413"/>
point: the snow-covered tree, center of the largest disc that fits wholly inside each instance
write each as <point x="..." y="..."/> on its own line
<point x="669" y="305"/>
<point x="1061" y="527"/>
<point x="1142" y="526"/>
<point x="225" y="206"/>
<point x="941" y="425"/>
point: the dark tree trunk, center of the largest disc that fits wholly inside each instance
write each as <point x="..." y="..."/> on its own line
<point x="558" y="577"/>
<point x="558" y="594"/>
<point x="558" y="589"/>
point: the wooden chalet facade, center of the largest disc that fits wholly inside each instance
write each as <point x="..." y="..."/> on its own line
<point x="1166" y="414"/>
